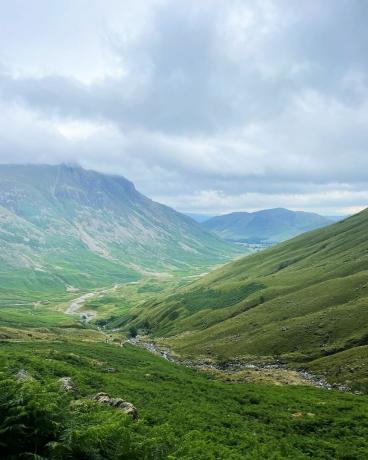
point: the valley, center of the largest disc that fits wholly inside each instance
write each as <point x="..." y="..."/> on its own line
<point x="223" y="355"/>
<point x="183" y="230"/>
<point x="64" y="228"/>
<point x="301" y="302"/>
<point x="238" y="372"/>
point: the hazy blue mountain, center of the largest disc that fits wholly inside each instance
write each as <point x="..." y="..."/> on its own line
<point x="337" y="218"/>
<point x="65" y="226"/>
<point x="199" y="217"/>
<point x="268" y="226"/>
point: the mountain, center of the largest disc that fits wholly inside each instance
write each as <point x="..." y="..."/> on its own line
<point x="268" y="226"/>
<point x="63" y="227"/>
<point x="199" y="217"/>
<point x="300" y="301"/>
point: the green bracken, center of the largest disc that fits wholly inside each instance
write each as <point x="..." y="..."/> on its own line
<point x="183" y="414"/>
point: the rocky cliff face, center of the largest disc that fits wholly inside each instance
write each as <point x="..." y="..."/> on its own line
<point x="63" y="225"/>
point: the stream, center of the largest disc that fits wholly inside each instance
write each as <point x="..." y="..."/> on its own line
<point x="278" y="373"/>
<point x="229" y="371"/>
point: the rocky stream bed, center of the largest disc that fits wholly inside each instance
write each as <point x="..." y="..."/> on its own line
<point x="235" y="372"/>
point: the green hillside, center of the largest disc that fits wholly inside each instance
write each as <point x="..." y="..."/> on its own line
<point x="183" y="414"/>
<point x="267" y="226"/>
<point x="62" y="227"/>
<point x="298" y="301"/>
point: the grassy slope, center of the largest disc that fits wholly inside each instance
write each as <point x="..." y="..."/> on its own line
<point x="114" y="308"/>
<point x="349" y="367"/>
<point x="200" y="417"/>
<point x="302" y="299"/>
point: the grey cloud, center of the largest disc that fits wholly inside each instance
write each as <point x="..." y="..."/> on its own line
<point x="267" y="97"/>
<point x="181" y="79"/>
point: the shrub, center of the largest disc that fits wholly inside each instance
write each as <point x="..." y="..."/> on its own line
<point x="30" y="417"/>
<point x="133" y="331"/>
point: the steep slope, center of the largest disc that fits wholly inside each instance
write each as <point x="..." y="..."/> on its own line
<point x="64" y="226"/>
<point x="268" y="226"/>
<point x="302" y="299"/>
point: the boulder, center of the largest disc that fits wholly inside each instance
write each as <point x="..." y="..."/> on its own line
<point x="118" y="403"/>
<point x="23" y="375"/>
<point x="67" y="384"/>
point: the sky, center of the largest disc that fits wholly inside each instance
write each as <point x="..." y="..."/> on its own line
<point x="208" y="106"/>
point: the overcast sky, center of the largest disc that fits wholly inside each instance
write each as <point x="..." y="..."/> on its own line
<point x="209" y="106"/>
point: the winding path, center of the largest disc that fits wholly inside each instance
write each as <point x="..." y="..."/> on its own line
<point x="78" y="303"/>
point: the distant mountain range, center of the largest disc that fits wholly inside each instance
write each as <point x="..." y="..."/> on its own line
<point x="268" y="226"/>
<point x="63" y="227"/>
<point x="199" y="217"/>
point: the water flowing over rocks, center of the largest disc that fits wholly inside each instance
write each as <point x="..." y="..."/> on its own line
<point x="235" y="371"/>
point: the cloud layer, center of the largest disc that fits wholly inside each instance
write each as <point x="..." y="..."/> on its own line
<point x="225" y="106"/>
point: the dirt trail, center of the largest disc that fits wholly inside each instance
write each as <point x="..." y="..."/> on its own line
<point x="79" y="302"/>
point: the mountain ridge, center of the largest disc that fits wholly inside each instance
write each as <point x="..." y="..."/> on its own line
<point x="266" y="226"/>
<point x="70" y="226"/>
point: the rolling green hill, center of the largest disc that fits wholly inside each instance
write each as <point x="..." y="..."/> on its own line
<point x="63" y="227"/>
<point x="301" y="300"/>
<point x="267" y="226"/>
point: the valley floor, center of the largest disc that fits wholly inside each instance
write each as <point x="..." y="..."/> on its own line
<point x="238" y="372"/>
<point x="189" y="410"/>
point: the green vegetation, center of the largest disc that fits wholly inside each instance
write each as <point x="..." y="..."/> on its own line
<point x="113" y="307"/>
<point x="297" y="302"/>
<point x="133" y="331"/>
<point x="64" y="227"/>
<point x="90" y="243"/>
<point x="349" y="367"/>
<point x="183" y="414"/>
